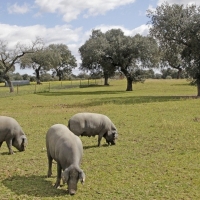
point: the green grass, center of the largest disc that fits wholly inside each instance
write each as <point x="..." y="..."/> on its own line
<point x="157" y="155"/>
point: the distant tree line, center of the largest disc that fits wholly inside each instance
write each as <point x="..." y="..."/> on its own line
<point x="173" y="46"/>
<point x="46" y="77"/>
<point x="144" y="74"/>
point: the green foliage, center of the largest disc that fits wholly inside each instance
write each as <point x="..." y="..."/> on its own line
<point x="38" y="61"/>
<point x="156" y="155"/>
<point x="113" y="51"/>
<point x="176" y="27"/>
<point x="45" y="77"/>
<point x="61" y="59"/>
<point x="93" y="55"/>
<point x="55" y="57"/>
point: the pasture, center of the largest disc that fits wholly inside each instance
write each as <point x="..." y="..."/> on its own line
<point x="157" y="155"/>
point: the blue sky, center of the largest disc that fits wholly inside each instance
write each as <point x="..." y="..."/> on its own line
<point x="70" y="22"/>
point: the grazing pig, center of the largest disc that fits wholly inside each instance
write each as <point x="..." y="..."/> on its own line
<point x="91" y="124"/>
<point x="12" y="133"/>
<point x="67" y="150"/>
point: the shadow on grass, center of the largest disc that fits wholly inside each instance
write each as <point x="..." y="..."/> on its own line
<point x="89" y="147"/>
<point x="5" y="153"/>
<point x="36" y="186"/>
<point x="78" y="93"/>
<point x="95" y="146"/>
<point x="93" y="85"/>
<point x="133" y="100"/>
<point x="116" y="100"/>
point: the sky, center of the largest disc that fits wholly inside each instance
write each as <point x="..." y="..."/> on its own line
<point x="71" y="22"/>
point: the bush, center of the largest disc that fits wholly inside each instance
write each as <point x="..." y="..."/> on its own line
<point x="168" y="77"/>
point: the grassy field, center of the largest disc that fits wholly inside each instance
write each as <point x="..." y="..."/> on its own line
<point x="157" y="155"/>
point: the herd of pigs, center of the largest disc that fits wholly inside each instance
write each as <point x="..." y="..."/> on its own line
<point x="62" y="143"/>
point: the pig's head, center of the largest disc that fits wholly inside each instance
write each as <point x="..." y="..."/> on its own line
<point x="111" y="137"/>
<point x="71" y="176"/>
<point x="20" y="143"/>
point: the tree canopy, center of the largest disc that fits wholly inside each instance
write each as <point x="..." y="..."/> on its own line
<point x="55" y="57"/>
<point x="93" y="56"/>
<point x="176" y="28"/>
<point x="61" y="59"/>
<point x="10" y="57"/>
<point x="114" y="50"/>
<point x="38" y="61"/>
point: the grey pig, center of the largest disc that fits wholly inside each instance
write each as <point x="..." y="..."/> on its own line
<point x="12" y="133"/>
<point x="91" y="124"/>
<point x="67" y="150"/>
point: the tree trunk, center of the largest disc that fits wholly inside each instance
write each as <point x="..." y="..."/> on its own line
<point x="10" y="86"/>
<point x="37" y="73"/>
<point x="198" y="88"/>
<point x="128" y="78"/>
<point x="59" y="73"/>
<point x="179" y="73"/>
<point x="129" y="84"/>
<point x="106" y="80"/>
<point x="7" y="78"/>
<point x="105" y="74"/>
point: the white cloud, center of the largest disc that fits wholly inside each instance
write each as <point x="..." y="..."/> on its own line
<point x="71" y="9"/>
<point x="189" y="2"/>
<point x="56" y="35"/>
<point x="142" y="30"/>
<point x="25" y="35"/>
<point x="15" y="8"/>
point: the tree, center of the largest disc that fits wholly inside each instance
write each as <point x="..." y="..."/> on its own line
<point x="93" y="57"/>
<point x="171" y="57"/>
<point x="10" y="57"/>
<point x="26" y="77"/>
<point x="83" y="75"/>
<point x="177" y="28"/>
<point x="39" y="61"/>
<point x="46" y="77"/>
<point x="169" y="72"/>
<point x="61" y="59"/>
<point x="130" y="53"/>
<point x="17" y="76"/>
<point x="113" y="50"/>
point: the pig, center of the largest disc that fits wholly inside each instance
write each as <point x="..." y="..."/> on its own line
<point x="12" y="133"/>
<point x="91" y="124"/>
<point x="66" y="149"/>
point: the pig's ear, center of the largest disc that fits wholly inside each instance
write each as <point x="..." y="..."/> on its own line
<point x="24" y="139"/>
<point x="81" y="176"/>
<point x="23" y="142"/>
<point x="65" y="175"/>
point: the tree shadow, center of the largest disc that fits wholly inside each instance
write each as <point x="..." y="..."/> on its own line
<point x="94" y="146"/>
<point x="116" y="100"/>
<point x="6" y="153"/>
<point x="89" y="147"/>
<point x="33" y="185"/>
<point x="134" y="100"/>
<point x="93" y="85"/>
<point x="78" y="93"/>
<point x="182" y="84"/>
